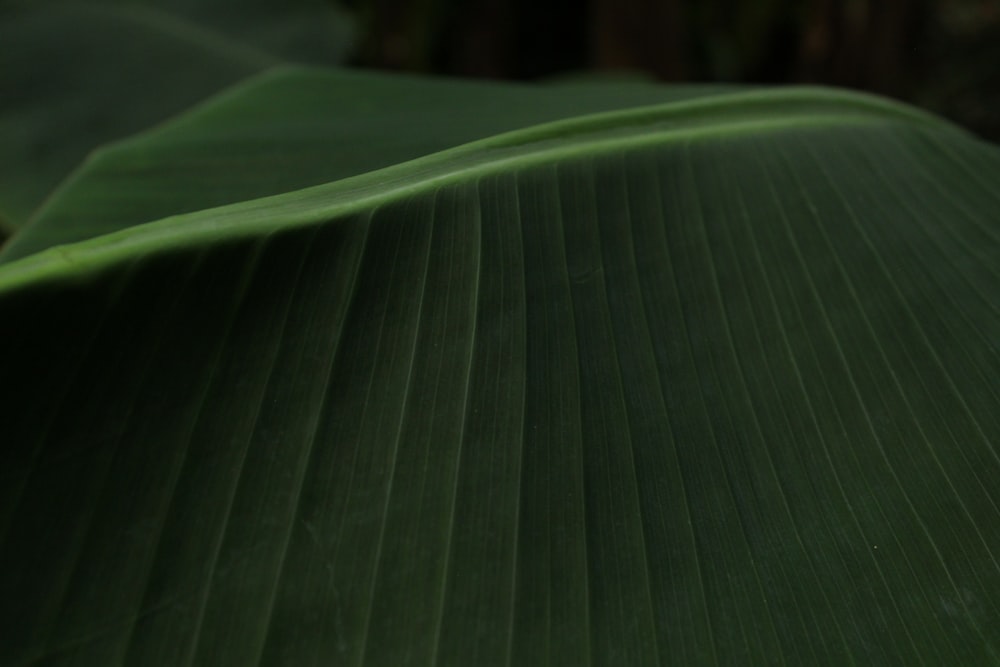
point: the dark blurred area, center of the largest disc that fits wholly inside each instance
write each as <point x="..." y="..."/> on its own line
<point x="943" y="55"/>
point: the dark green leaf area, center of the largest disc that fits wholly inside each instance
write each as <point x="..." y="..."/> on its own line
<point x="75" y="76"/>
<point x="730" y="401"/>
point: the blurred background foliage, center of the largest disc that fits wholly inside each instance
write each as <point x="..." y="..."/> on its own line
<point x="943" y="55"/>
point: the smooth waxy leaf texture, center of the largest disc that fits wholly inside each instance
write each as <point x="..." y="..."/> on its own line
<point x="712" y="382"/>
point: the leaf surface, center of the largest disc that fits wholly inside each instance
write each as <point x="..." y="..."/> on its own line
<point x="711" y="382"/>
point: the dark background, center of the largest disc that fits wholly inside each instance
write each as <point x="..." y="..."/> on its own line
<point x="943" y="55"/>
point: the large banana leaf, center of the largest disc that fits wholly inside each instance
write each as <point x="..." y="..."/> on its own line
<point x="708" y="382"/>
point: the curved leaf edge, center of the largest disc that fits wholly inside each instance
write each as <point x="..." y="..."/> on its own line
<point x="728" y="114"/>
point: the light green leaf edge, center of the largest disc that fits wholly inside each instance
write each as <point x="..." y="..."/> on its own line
<point x="105" y="193"/>
<point x="752" y="112"/>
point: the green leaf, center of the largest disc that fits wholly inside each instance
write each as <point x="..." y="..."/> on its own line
<point x="290" y="128"/>
<point x="74" y="76"/>
<point x="709" y="382"/>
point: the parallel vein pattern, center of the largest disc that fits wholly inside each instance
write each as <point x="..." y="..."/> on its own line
<point x="727" y="400"/>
